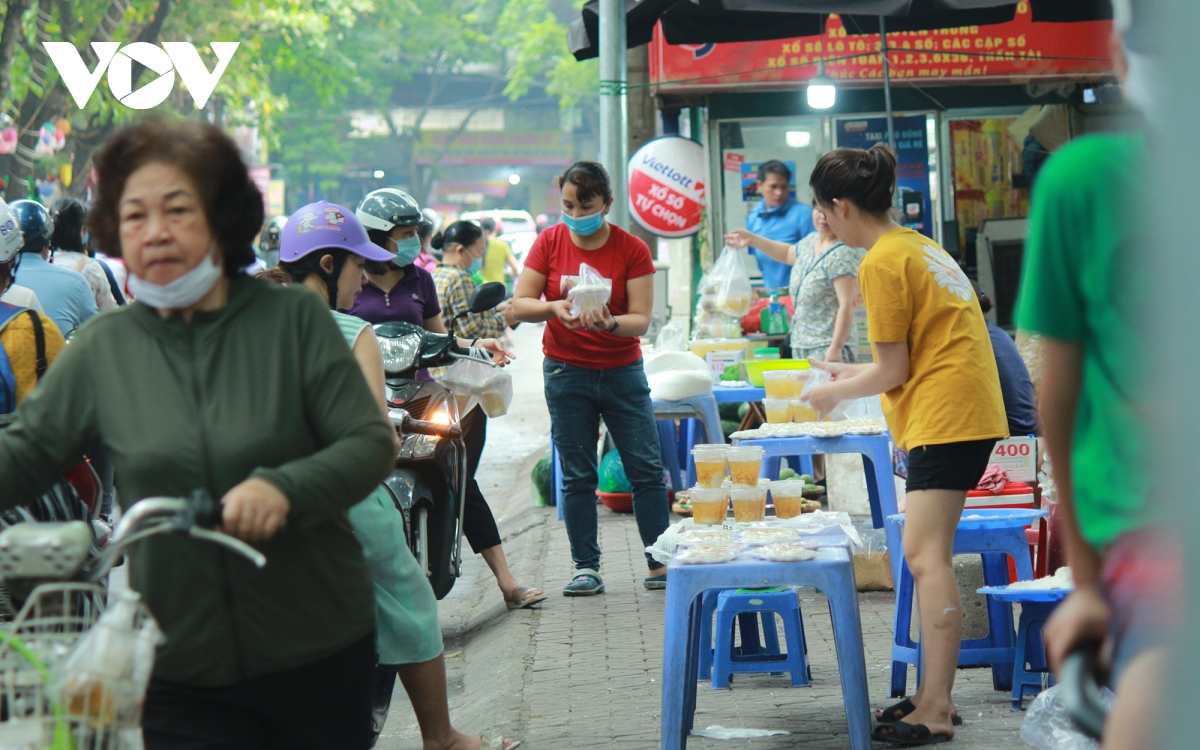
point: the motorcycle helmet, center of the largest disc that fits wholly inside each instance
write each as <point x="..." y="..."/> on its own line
<point x="272" y="232"/>
<point x="433" y="220"/>
<point x="388" y="207"/>
<point x="11" y="237"/>
<point x="36" y="224"/>
<point x="326" y="226"/>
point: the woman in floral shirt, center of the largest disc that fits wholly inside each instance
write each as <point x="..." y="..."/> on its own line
<point x="824" y="289"/>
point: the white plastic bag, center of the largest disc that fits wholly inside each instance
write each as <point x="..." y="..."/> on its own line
<point x="474" y="383"/>
<point x="718" y="732"/>
<point x="673" y="376"/>
<point x="590" y="293"/>
<point x="103" y="680"/>
<point x="816" y="377"/>
<point x="732" y="281"/>
<point x="1048" y="727"/>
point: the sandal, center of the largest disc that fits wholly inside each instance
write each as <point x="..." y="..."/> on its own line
<point x="497" y="743"/>
<point x="655" y="583"/>
<point x="900" y="733"/>
<point x="895" y="713"/>
<point x="520" y="597"/>
<point x="587" y="582"/>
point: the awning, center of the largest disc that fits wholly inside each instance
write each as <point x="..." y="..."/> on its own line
<point x="686" y="22"/>
<point x="716" y="21"/>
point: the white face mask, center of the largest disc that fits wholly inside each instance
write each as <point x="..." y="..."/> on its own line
<point x="181" y="293"/>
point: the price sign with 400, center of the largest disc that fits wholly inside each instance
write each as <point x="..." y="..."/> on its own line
<point x="1012" y="450"/>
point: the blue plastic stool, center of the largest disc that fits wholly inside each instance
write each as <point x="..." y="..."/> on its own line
<point x="1031" y="673"/>
<point x="748" y="622"/>
<point x="996" y="534"/>
<point x="832" y="572"/>
<point x="751" y="657"/>
<point x="699" y="422"/>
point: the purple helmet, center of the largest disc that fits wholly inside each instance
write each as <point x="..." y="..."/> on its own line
<point x="322" y="225"/>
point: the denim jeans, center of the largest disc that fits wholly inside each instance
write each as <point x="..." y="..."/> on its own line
<point x="578" y="399"/>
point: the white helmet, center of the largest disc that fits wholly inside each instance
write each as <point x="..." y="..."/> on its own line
<point x="11" y="237"/>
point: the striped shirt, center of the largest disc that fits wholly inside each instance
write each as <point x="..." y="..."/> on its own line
<point x="350" y="326"/>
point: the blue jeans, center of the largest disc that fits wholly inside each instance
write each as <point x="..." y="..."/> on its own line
<point x="578" y="399"/>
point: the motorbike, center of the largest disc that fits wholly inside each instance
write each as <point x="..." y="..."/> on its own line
<point x="428" y="482"/>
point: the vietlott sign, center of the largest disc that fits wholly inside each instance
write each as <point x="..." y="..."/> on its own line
<point x="167" y="60"/>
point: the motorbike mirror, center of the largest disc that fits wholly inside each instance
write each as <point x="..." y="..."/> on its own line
<point x="487" y="296"/>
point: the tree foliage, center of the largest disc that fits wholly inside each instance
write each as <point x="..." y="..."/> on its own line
<point x="301" y="67"/>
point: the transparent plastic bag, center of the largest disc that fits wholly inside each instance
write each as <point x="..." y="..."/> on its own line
<point x="590" y="293"/>
<point x="477" y="384"/>
<point x="670" y="339"/>
<point x="103" y="680"/>
<point x="1047" y="725"/>
<point x="816" y="377"/>
<point x="865" y="408"/>
<point x="728" y="274"/>
<point x="872" y="565"/>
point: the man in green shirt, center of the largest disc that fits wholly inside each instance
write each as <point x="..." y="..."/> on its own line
<point x="1082" y="288"/>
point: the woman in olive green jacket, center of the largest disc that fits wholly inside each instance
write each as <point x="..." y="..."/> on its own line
<point x="222" y="382"/>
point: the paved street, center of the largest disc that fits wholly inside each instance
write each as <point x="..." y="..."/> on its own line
<point x="584" y="672"/>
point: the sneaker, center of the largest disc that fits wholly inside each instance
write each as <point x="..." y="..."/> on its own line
<point x="585" y="583"/>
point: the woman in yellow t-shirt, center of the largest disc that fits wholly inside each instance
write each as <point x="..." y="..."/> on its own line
<point x="941" y="396"/>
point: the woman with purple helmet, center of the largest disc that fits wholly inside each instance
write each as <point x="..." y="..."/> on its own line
<point x="323" y="248"/>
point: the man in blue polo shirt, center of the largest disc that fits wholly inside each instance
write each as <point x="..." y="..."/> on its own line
<point x="778" y="217"/>
<point x="65" y="295"/>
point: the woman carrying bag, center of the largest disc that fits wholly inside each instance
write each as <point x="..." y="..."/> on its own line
<point x="593" y="367"/>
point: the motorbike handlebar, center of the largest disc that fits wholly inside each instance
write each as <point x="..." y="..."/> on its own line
<point x="1081" y="690"/>
<point x="406" y="423"/>
<point x="422" y="427"/>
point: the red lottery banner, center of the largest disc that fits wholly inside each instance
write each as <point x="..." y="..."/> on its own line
<point x="1014" y="51"/>
<point x="666" y="186"/>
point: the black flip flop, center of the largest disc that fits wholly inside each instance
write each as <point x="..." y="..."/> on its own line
<point x="900" y="733"/>
<point x="904" y="708"/>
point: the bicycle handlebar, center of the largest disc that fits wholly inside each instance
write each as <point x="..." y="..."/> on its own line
<point x="195" y="515"/>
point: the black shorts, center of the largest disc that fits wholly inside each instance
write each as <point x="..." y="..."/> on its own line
<point x="952" y="466"/>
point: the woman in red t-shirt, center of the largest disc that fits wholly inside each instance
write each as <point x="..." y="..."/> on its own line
<point x="593" y="366"/>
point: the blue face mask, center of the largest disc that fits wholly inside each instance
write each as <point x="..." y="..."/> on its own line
<point x="407" y="250"/>
<point x="584" y="226"/>
<point x="476" y="266"/>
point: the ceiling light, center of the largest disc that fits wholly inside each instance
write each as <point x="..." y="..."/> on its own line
<point x="514" y="179"/>
<point x="378" y="174"/>
<point x="798" y="138"/>
<point x="822" y="91"/>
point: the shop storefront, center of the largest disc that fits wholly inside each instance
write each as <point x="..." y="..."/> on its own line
<point x="964" y="101"/>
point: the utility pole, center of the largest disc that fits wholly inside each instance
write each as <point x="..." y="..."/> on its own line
<point x="614" y="123"/>
<point x="641" y="126"/>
